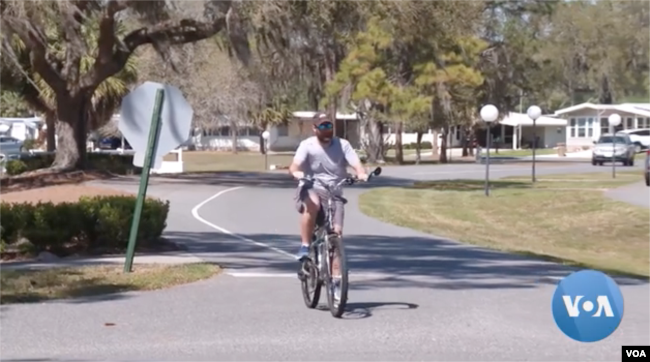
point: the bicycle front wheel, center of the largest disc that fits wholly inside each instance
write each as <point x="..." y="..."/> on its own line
<point x="337" y="281"/>
<point x="310" y="283"/>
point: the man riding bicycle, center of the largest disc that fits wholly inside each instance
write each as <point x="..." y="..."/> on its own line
<point x="326" y="158"/>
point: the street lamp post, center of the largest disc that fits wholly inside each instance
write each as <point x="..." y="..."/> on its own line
<point x="534" y="113"/>
<point x="489" y="114"/>
<point x="266" y="135"/>
<point x="614" y="121"/>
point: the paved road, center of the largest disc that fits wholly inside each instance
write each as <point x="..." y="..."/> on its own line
<point x="413" y="296"/>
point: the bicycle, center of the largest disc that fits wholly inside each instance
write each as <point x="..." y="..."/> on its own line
<point x="316" y="270"/>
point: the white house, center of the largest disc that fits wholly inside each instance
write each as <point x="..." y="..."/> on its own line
<point x="516" y="130"/>
<point x="587" y="121"/>
<point x="20" y="128"/>
<point x="283" y="137"/>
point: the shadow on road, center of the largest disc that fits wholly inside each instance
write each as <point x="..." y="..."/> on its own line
<point x="389" y="261"/>
<point x="365" y="309"/>
<point x="248" y="179"/>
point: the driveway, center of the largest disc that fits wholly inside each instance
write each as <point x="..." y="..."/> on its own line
<point x="413" y="296"/>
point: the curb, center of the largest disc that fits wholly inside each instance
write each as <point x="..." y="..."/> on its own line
<point x="79" y="262"/>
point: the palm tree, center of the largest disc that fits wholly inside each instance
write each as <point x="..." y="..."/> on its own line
<point x="18" y="76"/>
<point x="272" y="113"/>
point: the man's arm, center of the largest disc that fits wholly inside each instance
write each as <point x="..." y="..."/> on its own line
<point x="299" y="158"/>
<point x="353" y="160"/>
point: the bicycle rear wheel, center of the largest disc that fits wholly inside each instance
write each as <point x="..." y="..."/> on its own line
<point x="336" y="257"/>
<point x="310" y="283"/>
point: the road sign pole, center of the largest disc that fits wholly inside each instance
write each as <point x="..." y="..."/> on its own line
<point x="144" y="178"/>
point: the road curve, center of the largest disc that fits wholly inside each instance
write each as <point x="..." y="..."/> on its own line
<point x="413" y="296"/>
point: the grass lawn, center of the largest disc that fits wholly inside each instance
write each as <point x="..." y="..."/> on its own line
<point x="562" y="217"/>
<point x="522" y="153"/>
<point x="25" y="286"/>
<point x="207" y="161"/>
<point x="212" y="161"/>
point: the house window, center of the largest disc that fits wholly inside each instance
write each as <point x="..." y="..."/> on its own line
<point x="630" y="123"/>
<point x="247" y="131"/>
<point x="644" y="122"/>
<point x="604" y="125"/>
<point x="223" y="131"/>
<point x="582" y="127"/>
<point x="283" y="130"/>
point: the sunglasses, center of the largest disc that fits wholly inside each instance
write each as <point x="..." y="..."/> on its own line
<point x="325" y="126"/>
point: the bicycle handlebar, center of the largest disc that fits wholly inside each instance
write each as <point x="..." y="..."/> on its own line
<point x="348" y="180"/>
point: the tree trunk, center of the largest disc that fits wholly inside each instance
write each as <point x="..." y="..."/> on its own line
<point x="418" y="147"/>
<point x="262" y="145"/>
<point x="263" y="125"/>
<point x="399" y="151"/>
<point x="443" y="146"/>
<point x="50" y="131"/>
<point x="464" y="141"/>
<point x="233" y="137"/>
<point x="372" y="141"/>
<point x="434" y="144"/>
<point x="71" y="150"/>
<point x="331" y="104"/>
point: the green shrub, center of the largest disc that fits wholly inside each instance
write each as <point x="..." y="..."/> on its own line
<point x="15" y="167"/>
<point x="115" y="163"/>
<point x="101" y="222"/>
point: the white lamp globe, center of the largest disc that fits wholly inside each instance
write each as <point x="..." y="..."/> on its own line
<point x="534" y="112"/>
<point x="266" y="135"/>
<point x="614" y="120"/>
<point x="489" y="113"/>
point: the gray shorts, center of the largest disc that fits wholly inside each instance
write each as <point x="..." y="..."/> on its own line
<point x="339" y="207"/>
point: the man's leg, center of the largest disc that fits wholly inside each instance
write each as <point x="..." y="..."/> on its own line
<point x="309" y="206"/>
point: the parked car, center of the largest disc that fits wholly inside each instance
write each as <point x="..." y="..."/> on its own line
<point x="620" y="145"/>
<point x="10" y="145"/>
<point x="640" y="138"/>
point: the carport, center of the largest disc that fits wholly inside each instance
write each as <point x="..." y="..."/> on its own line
<point x="549" y="131"/>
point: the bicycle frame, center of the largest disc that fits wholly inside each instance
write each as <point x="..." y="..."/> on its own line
<point x="315" y="269"/>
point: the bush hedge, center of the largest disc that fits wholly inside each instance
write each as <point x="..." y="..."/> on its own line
<point x="93" y="223"/>
<point x="115" y="163"/>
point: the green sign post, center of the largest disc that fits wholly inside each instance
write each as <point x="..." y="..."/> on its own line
<point x="144" y="178"/>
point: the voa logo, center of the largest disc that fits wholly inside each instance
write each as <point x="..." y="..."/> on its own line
<point x="573" y="306"/>
<point x="635" y="353"/>
<point x="587" y="306"/>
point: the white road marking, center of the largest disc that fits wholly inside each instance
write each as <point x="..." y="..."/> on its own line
<point x="195" y="214"/>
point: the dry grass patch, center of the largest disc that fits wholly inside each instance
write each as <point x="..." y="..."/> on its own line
<point x="36" y="285"/>
<point x="566" y="220"/>
<point x="212" y="161"/>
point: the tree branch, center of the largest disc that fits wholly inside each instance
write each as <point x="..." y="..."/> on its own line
<point x="165" y="34"/>
<point x="106" y="44"/>
<point x="40" y="59"/>
<point x="75" y="44"/>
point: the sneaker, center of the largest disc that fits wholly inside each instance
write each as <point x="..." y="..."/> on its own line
<point x="302" y="253"/>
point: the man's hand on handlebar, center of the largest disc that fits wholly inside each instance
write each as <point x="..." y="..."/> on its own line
<point x="298" y="175"/>
<point x="362" y="177"/>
